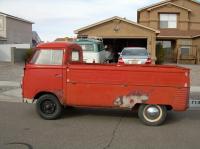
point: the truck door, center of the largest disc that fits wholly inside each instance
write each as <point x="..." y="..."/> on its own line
<point x="45" y="71"/>
<point x="74" y="57"/>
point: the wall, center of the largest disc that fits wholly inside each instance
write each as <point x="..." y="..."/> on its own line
<point x="186" y="20"/>
<point x="196" y="41"/>
<point x="5" y="51"/>
<point x="151" y="18"/>
<point x="194" y="15"/>
<point x="18" y="31"/>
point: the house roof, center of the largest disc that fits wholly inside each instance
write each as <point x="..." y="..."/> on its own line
<point x="2" y="38"/>
<point x="196" y="36"/>
<point x="168" y="3"/>
<point x="160" y="3"/>
<point x="113" y="18"/>
<point x="168" y="33"/>
<point x="16" y="18"/>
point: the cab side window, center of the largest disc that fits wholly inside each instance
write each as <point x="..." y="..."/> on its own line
<point x="47" y="57"/>
<point x="75" y="55"/>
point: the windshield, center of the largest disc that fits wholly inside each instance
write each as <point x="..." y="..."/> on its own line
<point x="87" y="47"/>
<point x="47" y="57"/>
<point x="134" y="52"/>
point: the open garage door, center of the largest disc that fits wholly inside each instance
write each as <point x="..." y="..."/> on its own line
<point x="117" y="45"/>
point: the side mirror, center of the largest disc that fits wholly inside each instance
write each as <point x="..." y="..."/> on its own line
<point x="119" y="53"/>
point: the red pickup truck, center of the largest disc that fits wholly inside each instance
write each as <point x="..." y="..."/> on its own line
<point x="56" y="77"/>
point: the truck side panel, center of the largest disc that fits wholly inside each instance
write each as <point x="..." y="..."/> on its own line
<point x="125" y="86"/>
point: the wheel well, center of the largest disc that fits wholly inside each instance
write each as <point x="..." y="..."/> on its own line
<point x="38" y="95"/>
<point x="169" y="107"/>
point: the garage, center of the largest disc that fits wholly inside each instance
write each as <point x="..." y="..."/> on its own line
<point x="117" y="44"/>
<point x="117" y="33"/>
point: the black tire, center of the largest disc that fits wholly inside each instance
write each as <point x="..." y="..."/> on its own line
<point x="152" y="115"/>
<point x="49" y="107"/>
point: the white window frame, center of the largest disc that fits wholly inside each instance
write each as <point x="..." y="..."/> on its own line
<point x="170" y="19"/>
<point x="185" y="47"/>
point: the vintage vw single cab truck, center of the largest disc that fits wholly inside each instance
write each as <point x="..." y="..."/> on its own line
<point x="56" y="77"/>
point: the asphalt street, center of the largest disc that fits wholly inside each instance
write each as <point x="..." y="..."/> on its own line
<point x="22" y="128"/>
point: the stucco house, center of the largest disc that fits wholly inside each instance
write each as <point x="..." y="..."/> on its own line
<point x="14" y="30"/>
<point x="15" y="38"/>
<point x="173" y="23"/>
<point x="179" y="24"/>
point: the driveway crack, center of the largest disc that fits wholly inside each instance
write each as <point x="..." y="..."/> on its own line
<point x="114" y="132"/>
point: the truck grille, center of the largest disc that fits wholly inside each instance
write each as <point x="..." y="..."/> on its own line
<point x="181" y="99"/>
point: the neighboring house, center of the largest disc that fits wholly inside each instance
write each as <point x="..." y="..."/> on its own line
<point x="173" y="23"/>
<point x="179" y="24"/>
<point x="67" y="39"/>
<point x="15" y="37"/>
<point x="35" y="39"/>
<point x="14" y="30"/>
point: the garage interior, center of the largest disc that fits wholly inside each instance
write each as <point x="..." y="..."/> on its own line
<point x="116" y="45"/>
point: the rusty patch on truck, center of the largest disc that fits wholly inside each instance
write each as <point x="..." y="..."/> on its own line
<point x="130" y="100"/>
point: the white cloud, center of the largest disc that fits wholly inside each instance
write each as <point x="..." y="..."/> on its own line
<point x="61" y="17"/>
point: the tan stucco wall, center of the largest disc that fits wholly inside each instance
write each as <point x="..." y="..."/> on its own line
<point x="126" y="30"/>
<point x="153" y="16"/>
<point x="194" y="15"/>
<point x="196" y="41"/>
<point x="186" y="20"/>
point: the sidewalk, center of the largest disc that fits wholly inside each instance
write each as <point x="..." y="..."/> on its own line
<point x="10" y="91"/>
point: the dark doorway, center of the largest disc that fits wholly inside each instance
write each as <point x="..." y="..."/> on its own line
<point x="169" y="53"/>
<point x="117" y="45"/>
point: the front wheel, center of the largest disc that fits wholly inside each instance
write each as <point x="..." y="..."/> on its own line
<point x="49" y="107"/>
<point x="152" y="115"/>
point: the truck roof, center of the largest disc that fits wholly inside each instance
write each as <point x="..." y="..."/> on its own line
<point x="55" y="45"/>
<point x="87" y="40"/>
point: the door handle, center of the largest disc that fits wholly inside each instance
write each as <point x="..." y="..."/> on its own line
<point x="58" y="75"/>
<point x="124" y="85"/>
<point x="73" y="82"/>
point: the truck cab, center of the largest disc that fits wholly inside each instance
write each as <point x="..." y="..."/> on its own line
<point x="93" y="50"/>
<point x="56" y="76"/>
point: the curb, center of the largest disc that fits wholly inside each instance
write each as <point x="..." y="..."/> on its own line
<point x="9" y="83"/>
<point x="195" y="89"/>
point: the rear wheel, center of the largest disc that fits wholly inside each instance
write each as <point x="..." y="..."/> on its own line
<point x="49" y="107"/>
<point x="152" y="115"/>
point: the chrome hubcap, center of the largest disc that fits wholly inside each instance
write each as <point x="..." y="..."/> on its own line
<point x="152" y="112"/>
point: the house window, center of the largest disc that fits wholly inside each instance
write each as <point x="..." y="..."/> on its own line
<point x="168" y="20"/>
<point x="185" y="50"/>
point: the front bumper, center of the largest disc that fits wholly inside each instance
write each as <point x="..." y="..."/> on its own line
<point x="27" y="100"/>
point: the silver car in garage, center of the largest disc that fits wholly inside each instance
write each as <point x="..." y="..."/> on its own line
<point x="134" y="55"/>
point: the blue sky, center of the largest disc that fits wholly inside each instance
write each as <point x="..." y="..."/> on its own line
<point x="59" y="18"/>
